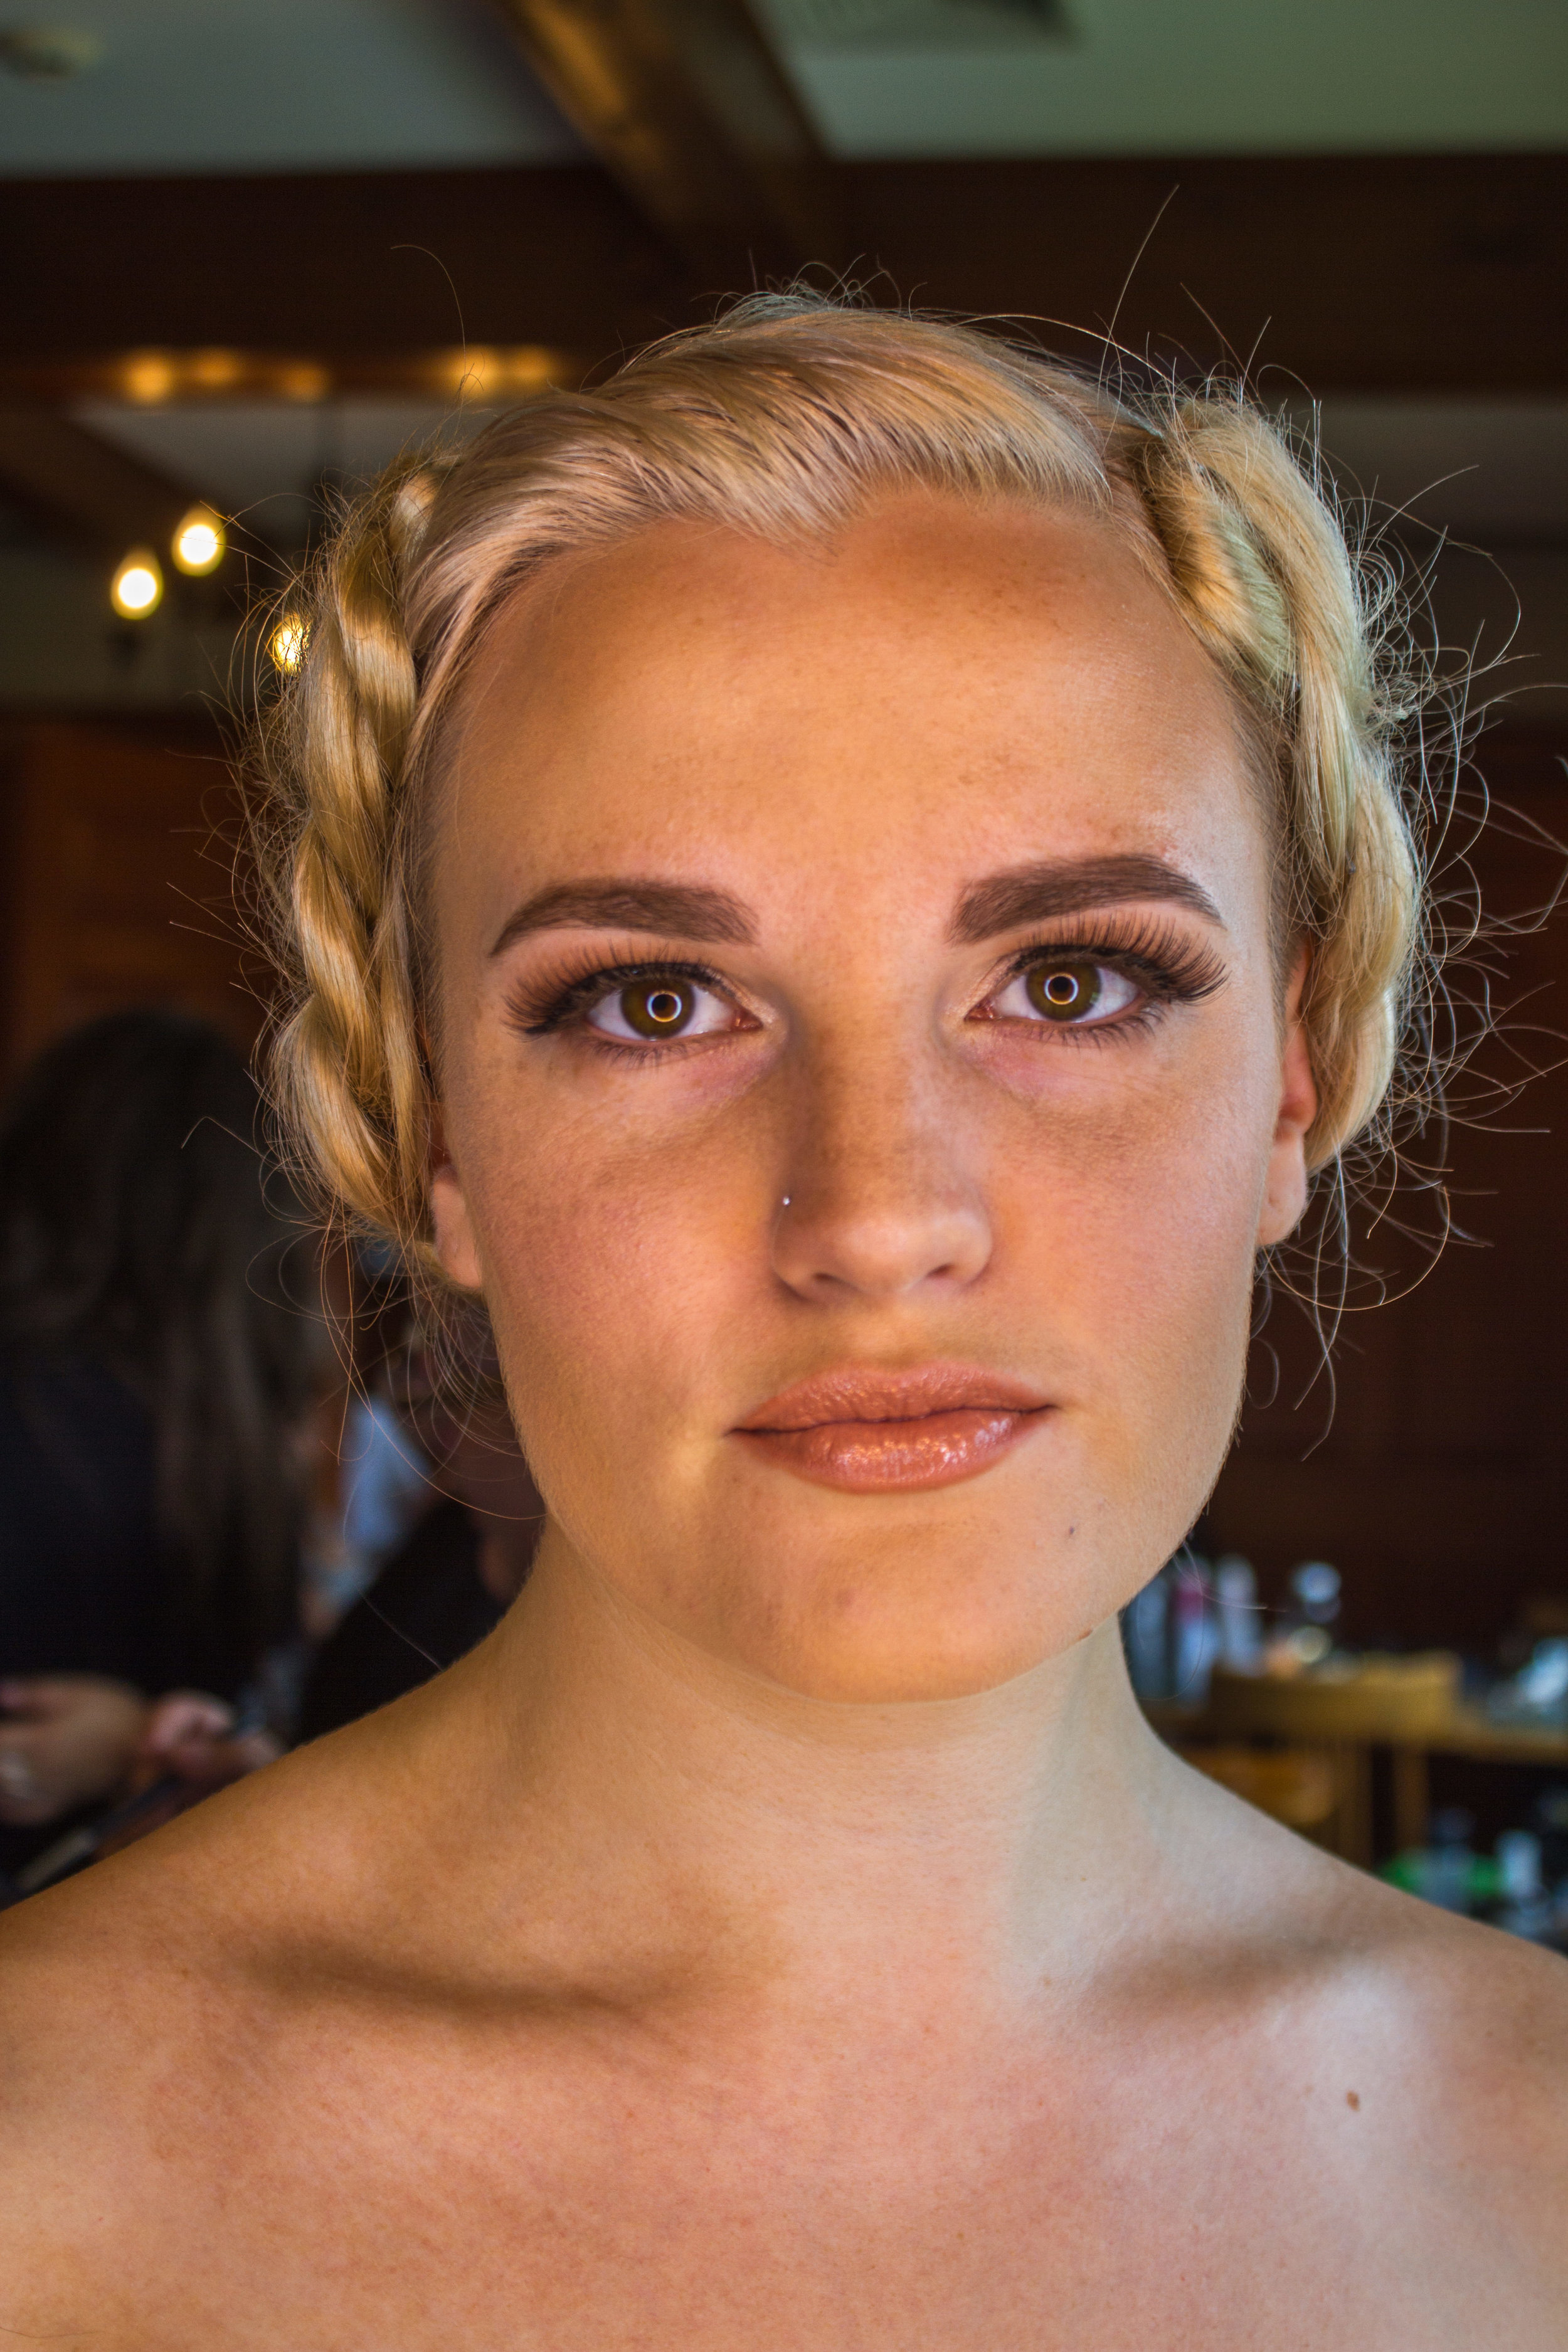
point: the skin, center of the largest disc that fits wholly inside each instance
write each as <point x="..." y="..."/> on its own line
<point x="83" y="1739"/>
<point x="65" y="1741"/>
<point x="785" y="1931"/>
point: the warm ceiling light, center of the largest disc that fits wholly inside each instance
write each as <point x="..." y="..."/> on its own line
<point x="303" y="380"/>
<point x="148" y="378"/>
<point x="287" y="641"/>
<point x="199" y="542"/>
<point x="527" y="368"/>
<point x="137" y="588"/>
<point x="214" y="371"/>
<point x="469" y="372"/>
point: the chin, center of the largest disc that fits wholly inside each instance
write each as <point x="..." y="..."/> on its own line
<point x="893" y="1641"/>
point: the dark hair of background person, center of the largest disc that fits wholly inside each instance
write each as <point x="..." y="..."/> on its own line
<point x="138" y="1234"/>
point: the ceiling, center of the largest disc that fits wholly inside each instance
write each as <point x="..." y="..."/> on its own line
<point x="906" y="91"/>
<point x="194" y="86"/>
<point x="296" y="86"/>
<point x="1207" y="77"/>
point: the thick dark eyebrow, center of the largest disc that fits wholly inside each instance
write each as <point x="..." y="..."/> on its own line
<point x="675" y="909"/>
<point x="1043" y="892"/>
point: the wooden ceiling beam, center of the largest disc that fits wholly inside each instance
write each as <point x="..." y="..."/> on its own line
<point x="381" y="263"/>
<point x="688" y="109"/>
<point x="1387" y="274"/>
<point x="1404" y="274"/>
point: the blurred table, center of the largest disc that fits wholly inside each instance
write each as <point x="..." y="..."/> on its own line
<point x="1318" y="1730"/>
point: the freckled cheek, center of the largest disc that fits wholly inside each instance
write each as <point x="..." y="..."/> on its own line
<point x="1138" y="1226"/>
<point x="610" y="1280"/>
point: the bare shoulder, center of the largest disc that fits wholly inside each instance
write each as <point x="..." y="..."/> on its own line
<point x="1487" y="2009"/>
<point x="1473" y="2030"/>
<point x="1435" y="2050"/>
<point x="139" y="2004"/>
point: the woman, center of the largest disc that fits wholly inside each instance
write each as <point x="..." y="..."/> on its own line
<point x="153" y="1378"/>
<point x="451" y="1579"/>
<point x="842" y="885"/>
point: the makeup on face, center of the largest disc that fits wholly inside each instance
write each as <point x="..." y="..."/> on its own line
<point x="867" y="1432"/>
<point x="940" y="906"/>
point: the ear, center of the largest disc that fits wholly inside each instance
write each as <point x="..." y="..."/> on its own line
<point x="456" y="1245"/>
<point x="1285" y="1186"/>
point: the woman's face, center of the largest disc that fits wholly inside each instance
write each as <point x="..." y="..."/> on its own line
<point x="863" y="1081"/>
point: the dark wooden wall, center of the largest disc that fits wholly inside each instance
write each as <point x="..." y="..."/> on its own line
<point x="116" y="863"/>
<point x="1438" y="1484"/>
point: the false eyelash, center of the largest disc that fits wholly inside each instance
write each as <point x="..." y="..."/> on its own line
<point x="1168" y="966"/>
<point x="553" y="1002"/>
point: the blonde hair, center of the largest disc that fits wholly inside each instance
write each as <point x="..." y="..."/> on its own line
<point x="784" y="419"/>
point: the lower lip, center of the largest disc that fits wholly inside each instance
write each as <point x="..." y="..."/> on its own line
<point x="877" y="1458"/>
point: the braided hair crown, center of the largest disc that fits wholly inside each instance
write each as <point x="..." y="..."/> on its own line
<point x="784" y="419"/>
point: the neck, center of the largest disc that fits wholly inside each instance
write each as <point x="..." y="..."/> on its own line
<point x="857" y="1854"/>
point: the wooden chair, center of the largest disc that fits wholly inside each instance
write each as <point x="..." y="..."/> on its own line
<point x="1336" y="1714"/>
<point x="1297" y="1786"/>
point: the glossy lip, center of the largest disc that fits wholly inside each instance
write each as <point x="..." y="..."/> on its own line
<point x="867" y="1432"/>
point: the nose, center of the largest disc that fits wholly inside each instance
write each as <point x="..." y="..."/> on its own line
<point x="877" y="1201"/>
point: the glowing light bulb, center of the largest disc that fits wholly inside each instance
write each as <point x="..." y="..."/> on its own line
<point x="288" y="643"/>
<point x="148" y="378"/>
<point x="214" y="371"/>
<point x="137" y="588"/>
<point x="200" y="543"/>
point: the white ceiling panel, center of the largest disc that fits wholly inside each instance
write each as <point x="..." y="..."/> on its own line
<point x="258" y="461"/>
<point x="292" y="86"/>
<point x="935" y="78"/>
<point x="304" y="85"/>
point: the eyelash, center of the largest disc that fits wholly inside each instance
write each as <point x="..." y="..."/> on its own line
<point x="555" y="1003"/>
<point x="1166" y="968"/>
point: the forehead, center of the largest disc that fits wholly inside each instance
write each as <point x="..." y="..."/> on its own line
<point x="935" y="691"/>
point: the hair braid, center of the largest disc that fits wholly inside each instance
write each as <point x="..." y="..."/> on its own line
<point x="784" y="419"/>
<point x="346" y="1059"/>
<point x="1264" y="574"/>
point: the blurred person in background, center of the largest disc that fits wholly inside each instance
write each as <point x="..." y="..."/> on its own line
<point x="155" y="1383"/>
<point x="458" y="1569"/>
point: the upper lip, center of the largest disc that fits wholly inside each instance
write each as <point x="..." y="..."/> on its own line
<point x="860" y="1393"/>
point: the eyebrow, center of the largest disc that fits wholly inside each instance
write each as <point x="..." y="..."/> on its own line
<point x="1025" y="893"/>
<point x="1056" y="886"/>
<point x="686" y="910"/>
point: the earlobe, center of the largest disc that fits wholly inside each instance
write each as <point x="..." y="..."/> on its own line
<point x="1285" y="1189"/>
<point x="452" y="1227"/>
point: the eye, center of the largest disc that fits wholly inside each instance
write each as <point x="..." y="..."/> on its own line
<point x="662" y="1006"/>
<point x="1071" y="991"/>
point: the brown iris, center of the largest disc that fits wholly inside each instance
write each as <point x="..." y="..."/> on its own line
<point x="1063" y="991"/>
<point x="656" y="1008"/>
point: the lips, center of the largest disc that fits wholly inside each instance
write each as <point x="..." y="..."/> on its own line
<point x="867" y="1431"/>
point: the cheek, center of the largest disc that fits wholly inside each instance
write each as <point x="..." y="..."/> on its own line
<point x="1132" y="1234"/>
<point x="615" y="1269"/>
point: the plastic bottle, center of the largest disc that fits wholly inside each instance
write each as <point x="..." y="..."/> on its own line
<point x="1524" y="1907"/>
<point x="1449" y="1862"/>
<point x="1196" y="1629"/>
<point x="1147" y="1624"/>
<point x="1315" y="1589"/>
<point x="1240" y="1618"/>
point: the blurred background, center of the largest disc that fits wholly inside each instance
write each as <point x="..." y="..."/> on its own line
<point x="247" y="255"/>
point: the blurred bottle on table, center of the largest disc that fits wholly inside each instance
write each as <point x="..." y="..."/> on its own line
<point x="1240" y="1617"/>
